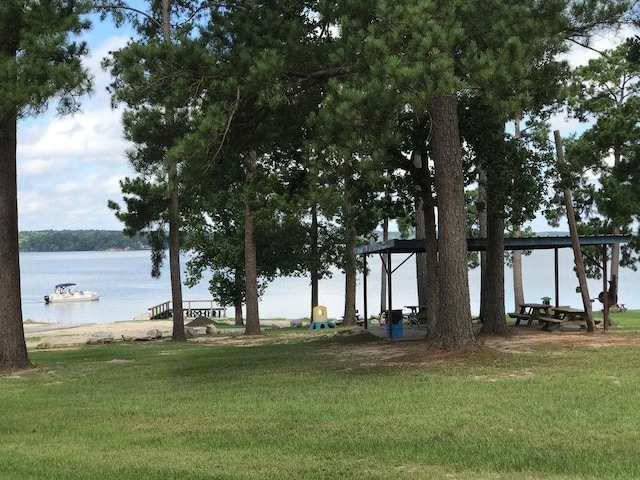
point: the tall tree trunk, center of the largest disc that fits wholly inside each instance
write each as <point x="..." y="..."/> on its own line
<point x="238" y="294"/>
<point x="492" y="299"/>
<point x="174" y="213"/>
<point x="615" y="253"/>
<point x="425" y="230"/>
<point x="615" y="230"/>
<point x="431" y="247"/>
<point x="482" y="221"/>
<point x="421" y="258"/>
<point x="250" y="249"/>
<point x="494" y="320"/>
<point x="575" y="242"/>
<point x="237" y="314"/>
<point x="13" y="349"/>
<point x="174" y="257"/>
<point x="453" y="328"/>
<point x="350" y="257"/>
<point x="518" y="289"/>
<point x="315" y="259"/>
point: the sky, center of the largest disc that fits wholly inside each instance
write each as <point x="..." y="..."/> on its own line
<point x="70" y="167"/>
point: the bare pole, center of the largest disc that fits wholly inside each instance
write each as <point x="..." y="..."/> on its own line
<point x="575" y="242"/>
<point x="605" y="289"/>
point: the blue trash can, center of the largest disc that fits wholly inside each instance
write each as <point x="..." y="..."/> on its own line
<point x="395" y="325"/>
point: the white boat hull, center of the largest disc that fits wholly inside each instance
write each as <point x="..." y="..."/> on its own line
<point x="81" y="296"/>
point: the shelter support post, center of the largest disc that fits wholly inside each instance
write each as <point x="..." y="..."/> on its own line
<point x="364" y="287"/>
<point x="605" y="289"/>
<point x="389" y="318"/>
<point x="556" y="275"/>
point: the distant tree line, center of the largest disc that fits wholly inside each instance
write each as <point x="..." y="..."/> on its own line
<point x="79" y="240"/>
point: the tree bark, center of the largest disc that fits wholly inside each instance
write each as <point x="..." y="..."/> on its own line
<point x="453" y="328"/>
<point x="239" y="292"/>
<point x="350" y="257"/>
<point x="250" y="249"/>
<point x="575" y="243"/>
<point x="174" y="213"/>
<point x="518" y="288"/>
<point x="494" y="320"/>
<point x="421" y="258"/>
<point x="482" y="222"/>
<point x="174" y="257"/>
<point x="427" y="263"/>
<point x="13" y="349"/>
<point x="615" y="230"/>
<point x="315" y="258"/>
<point x="421" y="234"/>
<point x="431" y="254"/>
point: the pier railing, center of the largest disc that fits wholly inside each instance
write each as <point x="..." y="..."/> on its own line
<point x="190" y="308"/>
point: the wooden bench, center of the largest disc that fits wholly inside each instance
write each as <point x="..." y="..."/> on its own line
<point x="520" y="316"/>
<point x="549" y="321"/>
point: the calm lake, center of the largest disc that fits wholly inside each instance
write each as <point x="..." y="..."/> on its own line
<point x="127" y="290"/>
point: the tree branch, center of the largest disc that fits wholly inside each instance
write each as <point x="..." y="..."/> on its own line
<point x="584" y="45"/>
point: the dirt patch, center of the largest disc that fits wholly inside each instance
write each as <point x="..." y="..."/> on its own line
<point x="519" y="340"/>
<point x="525" y="339"/>
<point x="414" y="352"/>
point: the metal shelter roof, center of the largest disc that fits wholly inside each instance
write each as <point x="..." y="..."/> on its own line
<point x="480" y="244"/>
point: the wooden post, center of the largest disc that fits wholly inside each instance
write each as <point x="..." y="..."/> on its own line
<point x="575" y="242"/>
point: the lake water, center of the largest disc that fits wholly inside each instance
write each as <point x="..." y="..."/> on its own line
<point x="127" y="290"/>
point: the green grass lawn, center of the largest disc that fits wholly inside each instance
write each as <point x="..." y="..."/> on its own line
<point x="322" y="406"/>
<point x="627" y="320"/>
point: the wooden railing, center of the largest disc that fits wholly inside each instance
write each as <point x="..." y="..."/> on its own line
<point x="190" y="308"/>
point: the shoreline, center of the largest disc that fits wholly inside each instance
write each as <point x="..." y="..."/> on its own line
<point x="69" y="334"/>
<point x="64" y="335"/>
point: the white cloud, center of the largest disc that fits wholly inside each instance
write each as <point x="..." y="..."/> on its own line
<point x="601" y="41"/>
<point x="93" y="136"/>
<point x="69" y="167"/>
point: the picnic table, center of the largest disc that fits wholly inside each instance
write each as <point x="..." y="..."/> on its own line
<point x="414" y="314"/>
<point x="413" y="308"/>
<point x="531" y="312"/>
<point x="560" y="316"/>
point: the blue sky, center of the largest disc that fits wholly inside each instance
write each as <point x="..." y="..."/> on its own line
<point x="69" y="167"/>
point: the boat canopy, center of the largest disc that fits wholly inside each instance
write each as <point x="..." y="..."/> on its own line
<point x="65" y="285"/>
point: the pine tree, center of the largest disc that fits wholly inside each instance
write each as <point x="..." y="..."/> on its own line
<point x="607" y="92"/>
<point x="39" y="60"/>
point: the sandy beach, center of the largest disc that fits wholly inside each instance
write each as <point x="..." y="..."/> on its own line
<point x="518" y="340"/>
<point x="61" y="335"/>
<point x="73" y="334"/>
